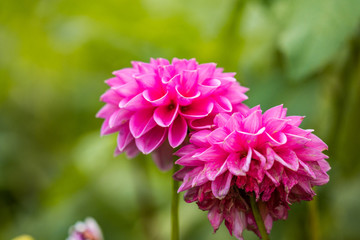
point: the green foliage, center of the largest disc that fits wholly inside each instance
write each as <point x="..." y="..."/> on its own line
<point x="55" y="55"/>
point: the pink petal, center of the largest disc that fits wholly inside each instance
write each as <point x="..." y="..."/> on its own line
<point x="307" y="169"/>
<point x="262" y="159"/>
<point x="215" y="217"/>
<point x="198" y="109"/>
<point x="148" y="81"/>
<point x="295" y="120"/>
<point x="110" y="96"/>
<point x="124" y="75"/>
<point x="310" y="154"/>
<point x="274" y="112"/>
<point x="200" y="138"/>
<point x="151" y="140"/>
<point x="316" y="143"/>
<point x="253" y="122"/>
<point x="232" y="143"/>
<point x="107" y="110"/>
<point x="209" y="86"/>
<point x="106" y="129"/>
<point x="276" y="124"/>
<point x="199" y="179"/>
<point x="128" y="89"/>
<point x="135" y="103"/>
<point x="287" y="158"/>
<point x="163" y="157"/>
<point x="239" y="223"/>
<point x="141" y="122"/>
<point x="177" y="131"/>
<point x="119" y="117"/>
<point x="234" y="122"/>
<point x="276" y="139"/>
<point x="124" y="137"/>
<point x="202" y="123"/>
<point x="206" y="70"/>
<point x="164" y="116"/>
<point x="214" y="169"/>
<point x="189" y="161"/>
<point x="217" y="136"/>
<point x="221" y="119"/>
<point x="220" y="187"/>
<point x="213" y="153"/>
<point x="186" y="150"/>
<point x="239" y="166"/>
<point x="188" y="82"/>
<point x="131" y="150"/>
<point x="223" y="104"/>
<point x="236" y="93"/>
<point x="156" y="98"/>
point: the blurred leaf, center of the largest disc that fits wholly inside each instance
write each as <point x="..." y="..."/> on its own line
<point x="315" y="32"/>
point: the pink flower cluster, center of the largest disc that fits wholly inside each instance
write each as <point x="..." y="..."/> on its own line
<point x="233" y="152"/>
<point x="152" y="106"/>
<point x="253" y="153"/>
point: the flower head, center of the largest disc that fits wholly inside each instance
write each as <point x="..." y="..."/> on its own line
<point x="253" y="153"/>
<point x="153" y="105"/>
<point x="87" y="230"/>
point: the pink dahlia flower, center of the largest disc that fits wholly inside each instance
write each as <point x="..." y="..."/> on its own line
<point x="253" y="153"/>
<point x="87" y="230"/>
<point x="153" y="105"/>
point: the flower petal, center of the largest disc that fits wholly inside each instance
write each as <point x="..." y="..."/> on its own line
<point x="223" y="104"/>
<point x="220" y="187"/>
<point x="163" y="157"/>
<point x="119" y="117"/>
<point x="151" y="140"/>
<point x="156" y="99"/>
<point x="177" y="131"/>
<point x="135" y="103"/>
<point x="141" y="122"/>
<point x="197" y="109"/>
<point x="124" y="137"/>
<point x="215" y="217"/>
<point x="165" y="115"/>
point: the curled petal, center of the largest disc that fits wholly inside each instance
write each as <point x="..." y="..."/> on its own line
<point x="164" y="116"/>
<point x="151" y="140"/>
<point x="141" y="122"/>
<point x="198" y="109"/>
<point x="220" y="187"/>
<point x="177" y="132"/>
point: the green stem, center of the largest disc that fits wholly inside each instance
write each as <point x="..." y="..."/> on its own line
<point x="314" y="233"/>
<point x="175" y="207"/>
<point x="258" y="218"/>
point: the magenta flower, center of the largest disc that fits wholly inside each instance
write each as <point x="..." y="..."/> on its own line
<point x="152" y="106"/>
<point x="253" y="153"/>
<point x="87" y="230"/>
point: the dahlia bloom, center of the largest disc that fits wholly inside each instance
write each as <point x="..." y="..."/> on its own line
<point x="266" y="155"/>
<point x="87" y="230"/>
<point x="152" y="106"/>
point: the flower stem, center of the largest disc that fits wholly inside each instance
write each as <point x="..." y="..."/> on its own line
<point x="258" y="218"/>
<point x="175" y="207"/>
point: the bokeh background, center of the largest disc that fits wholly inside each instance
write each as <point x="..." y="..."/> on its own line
<point x="55" y="55"/>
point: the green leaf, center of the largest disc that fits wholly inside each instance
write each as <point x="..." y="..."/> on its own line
<point x="315" y="31"/>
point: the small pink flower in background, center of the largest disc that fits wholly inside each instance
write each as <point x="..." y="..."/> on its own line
<point x="152" y="106"/>
<point x="87" y="230"/>
<point x="253" y="153"/>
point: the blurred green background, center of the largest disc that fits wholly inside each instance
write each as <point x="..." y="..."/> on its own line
<point x="55" y="55"/>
